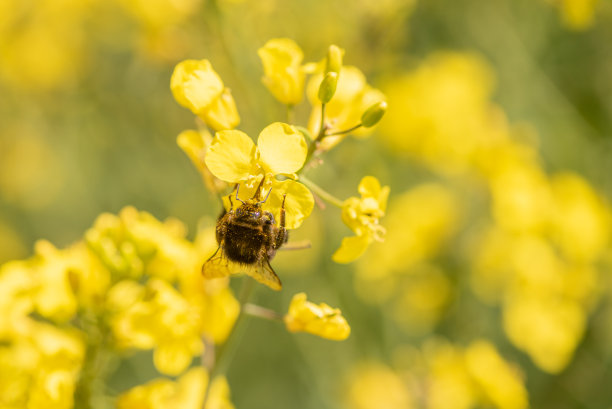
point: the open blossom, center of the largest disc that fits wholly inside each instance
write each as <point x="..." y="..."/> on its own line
<point x="362" y="216"/>
<point x="284" y="72"/>
<point x="195" y="85"/>
<point x="281" y="150"/>
<point x="321" y="320"/>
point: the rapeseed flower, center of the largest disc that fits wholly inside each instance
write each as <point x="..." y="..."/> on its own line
<point x="362" y="216"/>
<point x="321" y="320"/>
<point x="156" y="316"/>
<point x="281" y="151"/>
<point x="284" y="73"/>
<point x="185" y="393"/>
<point x="196" y="86"/>
<point x="373" y="385"/>
<point x="195" y="144"/>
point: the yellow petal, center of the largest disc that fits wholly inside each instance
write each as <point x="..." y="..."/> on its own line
<point x="298" y="202"/>
<point x="284" y="76"/>
<point x="321" y="320"/>
<point x="195" y="144"/>
<point x="195" y="85"/>
<point x="369" y="186"/>
<point x="173" y="358"/>
<point x="231" y="156"/>
<point x="222" y="113"/>
<point x="351" y="249"/>
<point x="282" y="148"/>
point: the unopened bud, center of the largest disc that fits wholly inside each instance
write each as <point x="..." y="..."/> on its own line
<point x="373" y="114"/>
<point x="334" y="59"/>
<point x="328" y="87"/>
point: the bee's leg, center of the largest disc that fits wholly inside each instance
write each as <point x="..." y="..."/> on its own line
<point x="283" y="234"/>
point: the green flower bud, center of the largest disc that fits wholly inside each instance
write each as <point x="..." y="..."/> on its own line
<point x="328" y="87"/>
<point x="334" y="59"/>
<point x="373" y="114"/>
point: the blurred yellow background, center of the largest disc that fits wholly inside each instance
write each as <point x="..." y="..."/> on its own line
<point x="496" y="147"/>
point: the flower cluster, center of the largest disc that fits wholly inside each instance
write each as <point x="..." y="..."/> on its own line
<point x="269" y="173"/>
<point x="132" y="283"/>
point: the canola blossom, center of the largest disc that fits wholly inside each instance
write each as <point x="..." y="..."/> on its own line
<point x="362" y="215"/>
<point x="280" y="151"/>
<point x="284" y="73"/>
<point x="321" y="319"/>
<point x="477" y="243"/>
<point x="196" y="86"/>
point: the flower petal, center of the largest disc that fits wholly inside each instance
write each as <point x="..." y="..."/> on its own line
<point x="284" y="76"/>
<point x="231" y="156"/>
<point x="172" y="358"/>
<point x="351" y="249"/>
<point x="369" y="186"/>
<point x="195" y="85"/>
<point x="282" y="148"/>
<point x="298" y="202"/>
<point x="222" y="113"/>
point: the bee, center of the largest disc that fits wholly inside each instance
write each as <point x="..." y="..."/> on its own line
<point x="248" y="238"/>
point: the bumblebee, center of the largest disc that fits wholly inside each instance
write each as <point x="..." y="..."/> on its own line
<point x="248" y="239"/>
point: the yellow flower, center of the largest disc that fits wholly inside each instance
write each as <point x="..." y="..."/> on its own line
<point x="321" y="320"/>
<point x="578" y="14"/>
<point x="195" y="144"/>
<point x="280" y="150"/>
<point x="195" y="85"/>
<point x="284" y="73"/>
<point x="352" y="98"/>
<point x="186" y="393"/>
<point x="373" y="386"/>
<point x="362" y="216"/>
<point x="157" y="316"/>
<point x="135" y="243"/>
<point x="505" y="390"/>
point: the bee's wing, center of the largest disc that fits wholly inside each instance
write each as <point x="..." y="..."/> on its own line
<point x="217" y="265"/>
<point x="264" y="273"/>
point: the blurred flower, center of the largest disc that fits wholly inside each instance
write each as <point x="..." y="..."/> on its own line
<point x="195" y="85"/>
<point x="136" y="242"/>
<point x="352" y="98"/>
<point x="195" y="144"/>
<point x="362" y="216"/>
<point x="280" y="150"/>
<point x="321" y="320"/>
<point x="372" y="386"/>
<point x="185" y="393"/>
<point x="577" y="14"/>
<point x="441" y="114"/>
<point x="549" y="330"/>
<point x="580" y="219"/>
<point x="419" y="221"/>
<point x="460" y="378"/>
<point x="506" y="389"/>
<point x="158" y="317"/>
<point x="41" y="367"/>
<point x="284" y="73"/>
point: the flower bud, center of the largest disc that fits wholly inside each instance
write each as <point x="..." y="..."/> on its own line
<point x="328" y="87"/>
<point x="373" y="114"/>
<point x="334" y="59"/>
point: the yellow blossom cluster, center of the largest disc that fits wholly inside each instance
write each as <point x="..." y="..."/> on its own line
<point x="538" y="249"/>
<point x="440" y="376"/>
<point x="132" y="283"/>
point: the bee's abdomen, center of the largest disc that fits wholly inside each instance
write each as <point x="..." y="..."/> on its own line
<point x="243" y="243"/>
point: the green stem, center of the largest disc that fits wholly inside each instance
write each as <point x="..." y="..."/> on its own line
<point x="290" y="112"/>
<point x="261" y="312"/>
<point x="359" y="125"/>
<point x="228" y="349"/>
<point x="321" y="193"/>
